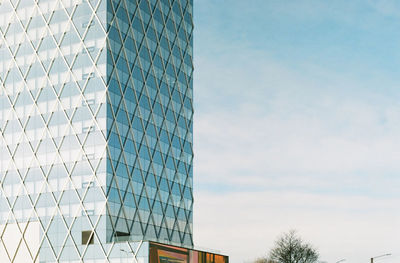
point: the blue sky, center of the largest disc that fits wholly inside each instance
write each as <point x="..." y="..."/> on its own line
<point x="297" y="126"/>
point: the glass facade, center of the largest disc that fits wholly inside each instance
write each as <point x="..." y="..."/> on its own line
<point x="96" y="128"/>
<point x="149" y="120"/>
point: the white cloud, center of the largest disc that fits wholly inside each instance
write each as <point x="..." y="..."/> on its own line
<point x="303" y="134"/>
<point x="297" y="148"/>
<point x="244" y="225"/>
<point x="352" y="138"/>
<point x="287" y="142"/>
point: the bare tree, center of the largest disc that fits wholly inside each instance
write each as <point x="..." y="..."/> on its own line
<point x="290" y="248"/>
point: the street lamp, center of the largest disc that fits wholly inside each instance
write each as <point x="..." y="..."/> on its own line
<point x="341" y="260"/>
<point x="384" y="255"/>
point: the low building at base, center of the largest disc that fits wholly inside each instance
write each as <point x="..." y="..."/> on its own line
<point x="161" y="253"/>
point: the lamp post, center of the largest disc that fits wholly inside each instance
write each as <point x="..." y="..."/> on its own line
<point x="341" y="260"/>
<point x="384" y="255"/>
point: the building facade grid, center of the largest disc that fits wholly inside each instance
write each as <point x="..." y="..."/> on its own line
<point x="96" y="128"/>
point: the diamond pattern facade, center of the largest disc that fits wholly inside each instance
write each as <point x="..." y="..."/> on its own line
<point x="95" y="128"/>
<point x="149" y="120"/>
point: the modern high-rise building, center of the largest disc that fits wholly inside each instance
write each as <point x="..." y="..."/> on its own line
<point x="96" y="131"/>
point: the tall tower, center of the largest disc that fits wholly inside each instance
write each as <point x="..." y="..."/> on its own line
<point x="96" y="128"/>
